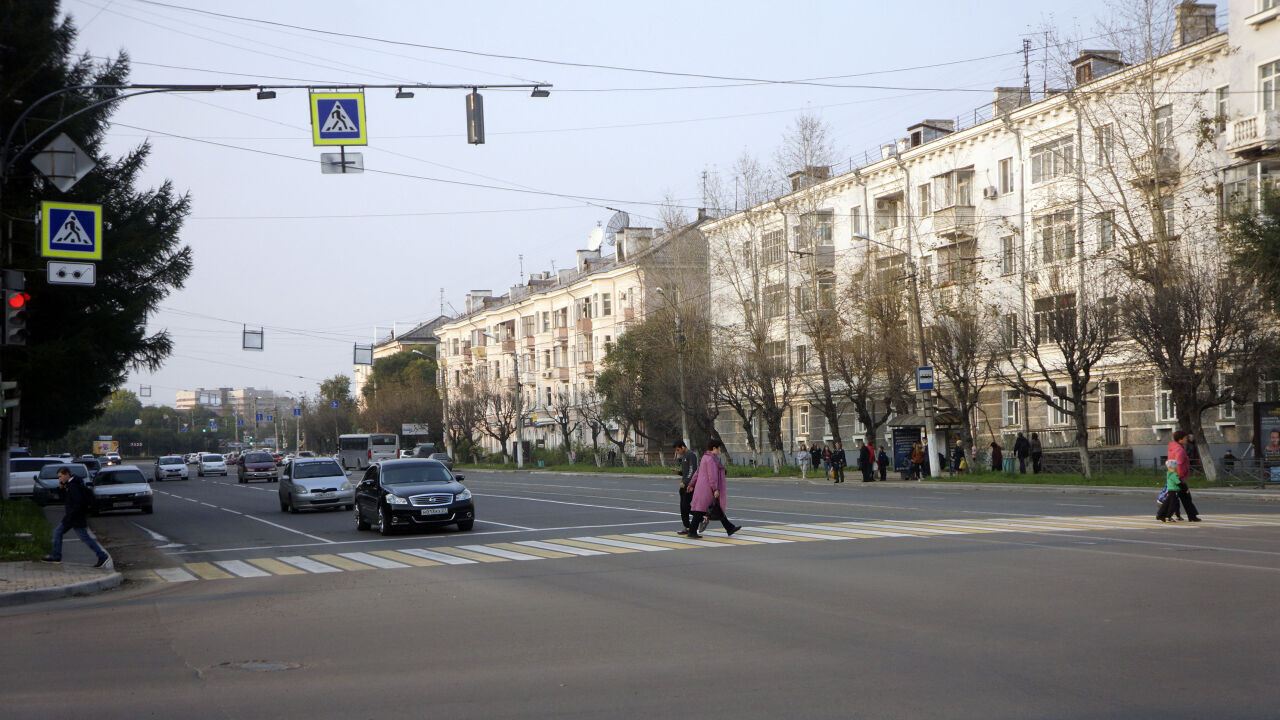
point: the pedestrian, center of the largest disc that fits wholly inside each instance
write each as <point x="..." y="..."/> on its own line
<point x="917" y="460"/>
<point x="997" y="456"/>
<point x="883" y="461"/>
<point x="76" y="518"/>
<point x="826" y="463"/>
<point x="815" y="455"/>
<point x="1170" y="494"/>
<point x="957" y="457"/>
<point x="1178" y="451"/>
<point x="866" y="461"/>
<point x="802" y="459"/>
<point x="1021" y="449"/>
<point x="688" y="465"/>
<point x="838" y="462"/>
<point x="709" y="491"/>
<point x="1228" y="460"/>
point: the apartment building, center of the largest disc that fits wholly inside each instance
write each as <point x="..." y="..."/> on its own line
<point x="1020" y="204"/>
<point x="421" y="337"/>
<point x="546" y="338"/>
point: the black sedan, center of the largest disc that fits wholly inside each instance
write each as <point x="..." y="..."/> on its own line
<point x="412" y="493"/>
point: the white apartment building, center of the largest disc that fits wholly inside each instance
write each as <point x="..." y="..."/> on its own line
<point x="556" y="328"/>
<point x="1016" y="206"/>
<point x="421" y="337"/>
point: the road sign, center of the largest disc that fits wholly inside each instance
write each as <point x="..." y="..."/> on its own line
<point x="69" y="273"/>
<point x="270" y="418"/>
<point x="297" y="412"/>
<point x="63" y="162"/>
<point x="240" y="422"/>
<point x="257" y="417"/>
<point x="333" y="403"/>
<point x="414" y="429"/>
<point x="924" y="378"/>
<point x="70" y="230"/>
<point x="341" y="163"/>
<point x="338" y="119"/>
<point x="213" y="425"/>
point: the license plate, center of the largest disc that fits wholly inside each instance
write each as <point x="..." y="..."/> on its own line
<point x="324" y="496"/>
<point x="123" y="504"/>
<point x="434" y="511"/>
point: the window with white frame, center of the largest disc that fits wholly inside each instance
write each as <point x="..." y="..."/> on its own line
<point x="1166" y="410"/>
<point x="775" y="300"/>
<point x="888" y="212"/>
<point x="922" y="201"/>
<point x="953" y="188"/>
<point x="1268" y="4"/>
<point x="1269" y="390"/>
<point x="1055" y="236"/>
<point x="1054" y="317"/>
<point x="855" y="221"/>
<point x="1164" y="127"/>
<point x="1006" y="176"/>
<point x="802" y="357"/>
<point x="1106" y="230"/>
<point x="1222" y="105"/>
<point x="1169" y="206"/>
<point x="1011" y="405"/>
<point x="776" y="353"/>
<point x="606" y="304"/>
<point x="1008" y="255"/>
<point x="1052" y="159"/>
<point x="1058" y="416"/>
<point x="773" y="246"/>
<point x="1009" y="330"/>
<point x="1227" y="410"/>
<point x="802" y="420"/>
<point x="1105" y="140"/>
<point x="1269" y="85"/>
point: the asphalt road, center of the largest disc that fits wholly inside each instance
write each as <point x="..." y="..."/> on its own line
<point x="832" y="606"/>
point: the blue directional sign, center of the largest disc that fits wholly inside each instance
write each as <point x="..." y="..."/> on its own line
<point x="258" y="417"/>
<point x="924" y="378"/>
<point x="71" y="230"/>
<point x="333" y="403"/>
<point x="338" y="119"/>
<point x="213" y="425"/>
<point x="297" y="412"/>
<point x="270" y="419"/>
<point x="240" y="422"/>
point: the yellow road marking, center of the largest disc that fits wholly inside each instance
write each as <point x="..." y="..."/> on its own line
<point x="540" y="552"/>
<point x="275" y="567"/>
<point x="208" y="571"/>
<point x="340" y="562"/>
<point x="592" y="546"/>
<point x="649" y="541"/>
<point x="405" y="558"/>
<point x="838" y="532"/>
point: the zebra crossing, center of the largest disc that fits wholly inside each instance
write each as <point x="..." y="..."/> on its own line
<point x="639" y="542"/>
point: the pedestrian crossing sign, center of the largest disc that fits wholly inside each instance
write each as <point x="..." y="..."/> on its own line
<point x="70" y="230"/>
<point x="338" y="119"/>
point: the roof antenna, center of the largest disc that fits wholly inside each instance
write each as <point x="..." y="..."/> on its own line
<point x="521" y="259"/>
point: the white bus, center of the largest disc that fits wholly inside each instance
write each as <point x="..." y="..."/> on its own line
<point x="359" y="451"/>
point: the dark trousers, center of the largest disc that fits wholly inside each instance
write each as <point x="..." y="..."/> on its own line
<point x="1184" y="496"/>
<point x="1168" y="507"/>
<point x="866" y="473"/>
<point x="715" y="511"/>
<point x="686" y="500"/>
<point x="884" y="472"/>
<point x="837" y="470"/>
<point x="1022" y="464"/>
<point x="1035" y="463"/>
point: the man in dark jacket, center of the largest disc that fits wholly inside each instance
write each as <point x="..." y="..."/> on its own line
<point x="882" y="459"/>
<point x="866" y="461"/>
<point x="1021" y="449"/>
<point x="76" y="518"/>
<point x="838" y="462"/>
<point x="688" y="465"/>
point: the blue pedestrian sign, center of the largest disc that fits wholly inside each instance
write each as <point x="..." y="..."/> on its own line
<point x="213" y="425"/>
<point x="924" y="378"/>
<point x="270" y="419"/>
<point x="297" y="412"/>
<point x="70" y="230"/>
<point x="338" y="119"/>
<point x="333" y="403"/>
<point x="240" y="422"/>
<point x="258" y="417"/>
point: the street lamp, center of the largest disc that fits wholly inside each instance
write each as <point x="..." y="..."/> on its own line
<point x="684" y="422"/>
<point x="515" y="367"/>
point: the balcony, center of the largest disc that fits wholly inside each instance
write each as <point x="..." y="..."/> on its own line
<point x="560" y="333"/>
<point x="586" y="367"/>
<point x="1254" y="134"/>
<point x="954" y="221"/>
<point x="509" y="345"/>
<point x="466" y="352"/>
<point x="479" y="352"/>
<point x="584" y="325"/>
<point x="509" y="383"/>
<point x="1157" y="167"/>
<point x="561" y="373"/>
<point x="529" y="341"/>
<point x="628" y="314"/>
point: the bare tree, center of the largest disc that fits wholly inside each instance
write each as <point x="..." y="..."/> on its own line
<point x="599" y="419"/>
<point x="732" y="388"/>
<point x="499" y="420"/>
<point x="962" y="343"/>
<point x="562" y="410"/>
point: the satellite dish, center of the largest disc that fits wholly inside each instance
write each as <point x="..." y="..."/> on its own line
<point x="619" y="222"/>
<point x="595" y="238"/>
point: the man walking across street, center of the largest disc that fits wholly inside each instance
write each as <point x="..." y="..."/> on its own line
<point x="76" y="518"/>
<point x="688" y="465"/>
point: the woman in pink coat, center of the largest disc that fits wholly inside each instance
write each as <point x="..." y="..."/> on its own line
<point x="1178" y="451"/>
<point x="708" y="490"/>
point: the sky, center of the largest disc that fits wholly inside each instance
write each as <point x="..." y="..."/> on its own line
<point x="645" y="98"/>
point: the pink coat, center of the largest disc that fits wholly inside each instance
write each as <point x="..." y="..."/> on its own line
<point x="708" y="478"/>
<point x="1179" y="453"/>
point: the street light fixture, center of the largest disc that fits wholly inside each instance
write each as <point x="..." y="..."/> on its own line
<point x="402" y="94"/>
<point x="266" y="94"/>
<point x="515" y="367"/>
<point x="540" y="92"/>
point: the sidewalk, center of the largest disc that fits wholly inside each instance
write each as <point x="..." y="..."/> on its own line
<point x="34" y="581"/>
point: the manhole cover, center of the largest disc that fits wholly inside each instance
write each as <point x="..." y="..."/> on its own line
<point x="259" y="665"/>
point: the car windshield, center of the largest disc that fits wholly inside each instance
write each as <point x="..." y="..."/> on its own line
<point x="211" y="458"/>
<point x="174" y="460"/>
<point x="383" y="439"/>
<point x="317" y="469"/>
<point x="123" y="477"/>
<point x="416" y="473"/>
<point x="258" y="457"/>
<point x="50" y="472"/>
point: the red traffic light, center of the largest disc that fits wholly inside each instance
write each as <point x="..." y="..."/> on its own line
<point x="19" y="300"/>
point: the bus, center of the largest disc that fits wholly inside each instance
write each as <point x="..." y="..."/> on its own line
<point x="360" y="450"/>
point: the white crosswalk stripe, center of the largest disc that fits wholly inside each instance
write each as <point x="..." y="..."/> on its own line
<point x="240" y="568"/>
<point x="620" y="543"/>
<point x="306" y="563"/>
<point x="374" y="560"/>
<point x="438" y="557"/>
<point x="556" y="547"/>
<point x="500" y="552"/>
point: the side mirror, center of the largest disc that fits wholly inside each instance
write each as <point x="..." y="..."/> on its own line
<point x="459" y="477"/>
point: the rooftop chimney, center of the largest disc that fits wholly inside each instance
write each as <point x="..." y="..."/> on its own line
<point x="1008" y="99"/>
<point x="926" y="130"/>
<point x="1193" y="21"/>
<point x="811" y="175"/>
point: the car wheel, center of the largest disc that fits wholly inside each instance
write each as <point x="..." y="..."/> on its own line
<point x="465" y="525"/>
<point x="284" y="506"/>
<point x="148" y="510"/>
<point x="292" y="508"/>
<point x="384" y="522"/>
<point x="361" y="524"/>
<point x="347" y="507"/>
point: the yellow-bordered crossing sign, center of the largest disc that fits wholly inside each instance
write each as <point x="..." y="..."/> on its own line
<point x="70" y="230"/>
<point x="337" y="118"/>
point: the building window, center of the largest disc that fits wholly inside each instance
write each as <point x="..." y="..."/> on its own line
<point x="802" y="420"/>
<point x="1058" y="417"/>
<point x="1227" y="410"/>
<point x="1223" y="97"/>
<point x="1269" y="85"/>
<point x="1240" y="189"/>
<point x="1006" y="176"/>
<point x="1008" y="255"/>
<point x="1170" y="218"/>
<point x="922" y="195"/>
<point x="606" y="304"/>
<point x="827" y="290"/>
<point x="1105" y="142"/>
<point x="802" y="357"/>
<point x="1166" y="411"/>
<point x="1269" y="391"/>
<point x="773" y="246"/>
<point x="855" y="221"/>
<point x="953" y="188"/>
<point x="1009" y="330"/>
<point x="775" y="300"/>
<point x="888" y="210"/>
<point x="1011" y="403"/>
<point x="1106" y="230"/>
<point x="1054" y="316"/>
<point x="1164" y="127"/>
<point x="776" y="353"/>
<point x="1055" y="236"/>
<point x="1052" y="159"/>
<point x="527" y="325"/>
<point x="546" y="321"/>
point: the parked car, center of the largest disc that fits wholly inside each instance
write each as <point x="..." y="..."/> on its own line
<point x="413" y="494"/>
<point x="121" y="487"/>
<point x="423" y="449"/>
<point x="444" y="458"/>
<point x="23" y="472"/>
<point x="211" y="464"/>
<point x="406" y="454"/>
<point x="170" y="466"/>
<point x="314" y="483"/>
<point x="48" y="491"/>
<point x="257" y="465"/>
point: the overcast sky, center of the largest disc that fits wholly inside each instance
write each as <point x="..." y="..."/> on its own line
<point x="319" y="260"/>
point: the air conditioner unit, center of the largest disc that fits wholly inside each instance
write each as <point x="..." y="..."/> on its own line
<point x="990" y="192"/>
<point x="546" y="374"/>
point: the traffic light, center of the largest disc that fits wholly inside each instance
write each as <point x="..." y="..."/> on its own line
<point x="15" y="316"/>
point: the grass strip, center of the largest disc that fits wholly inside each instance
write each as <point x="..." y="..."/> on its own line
<point x="25" y="533"/>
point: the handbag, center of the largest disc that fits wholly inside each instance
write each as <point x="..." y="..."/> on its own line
<point x="1163" y="494"/>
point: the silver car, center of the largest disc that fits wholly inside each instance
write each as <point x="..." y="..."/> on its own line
<point x="211" y="464"/>
<point x="170" y="466"/>
<point x="314" y="483"/>
<point x="122" y="487"/>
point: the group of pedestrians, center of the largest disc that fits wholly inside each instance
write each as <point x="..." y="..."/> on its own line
<point x="1176" y="494"/>
<point x="703" y="493"/>
<point x="1023" y="448"/>
<point x="833" y="460"/>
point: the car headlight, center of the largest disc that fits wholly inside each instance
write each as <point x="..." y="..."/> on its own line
<point x="464" y="495"/>
<point x="145" y="493"/>
<point x="393" y="499"/>
<point x="346" y="485"/>
<point x="302" y="489"/>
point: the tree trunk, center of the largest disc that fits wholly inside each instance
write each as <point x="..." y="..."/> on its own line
<point x="1082" y="439"/>
<point x="1206" y="455"/>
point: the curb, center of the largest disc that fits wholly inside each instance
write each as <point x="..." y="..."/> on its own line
<point x="88" y="587"/>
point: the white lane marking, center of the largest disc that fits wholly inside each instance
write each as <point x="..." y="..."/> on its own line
<point x="621" y="544"/>
<point x="175" y="575"/>
<point x="586" y="505"/>
<point x="241" y="568"/>
<point x="493" y="522"/>
<point x="797" y="533"/>
<point x="306" y="563"/>
<point x="499" y="552"/>
<point x="570" y="549"/>
<point x="209" y="505"/>
<point x="851" y="527"/>
<point x="904" y="528"/>
<point x="154" y="535"/>
<point x="438" y="557"/>
<point x="233" y="512"/>
<point x="1079" y="505"/>
<point x="678" y="539"/>
<point x="746" y="534"/>
<point x="373" y="560"/>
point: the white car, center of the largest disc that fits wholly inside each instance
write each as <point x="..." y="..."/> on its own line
<point x="212" y="464"/>
<point x="171" y="466"/>
<point x="23" y="472"/>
